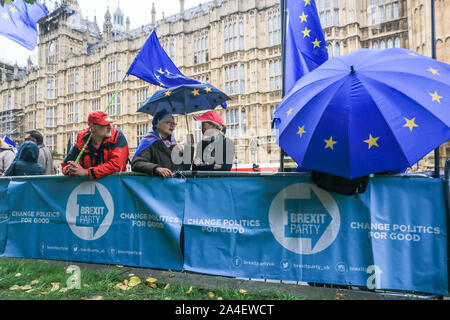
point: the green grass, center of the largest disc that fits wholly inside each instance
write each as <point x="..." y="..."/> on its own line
<point x="23" y="274"/>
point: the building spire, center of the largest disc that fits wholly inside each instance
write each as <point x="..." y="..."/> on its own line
<point x="153" y="15"/>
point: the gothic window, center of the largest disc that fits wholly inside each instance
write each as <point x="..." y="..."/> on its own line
<point x="236" y="122"/>
<point x="96" y="79"/>
<point x="397" y="42"/>
<point x="232" y="78"/>
<point x="275" y="75"/>
<point x="337" y="49"/>
<point x="142" y="130"/>
<point x="329" y="15"/>
<point x="201" y="47"/>
<point x="274" y="28"/>
<point x="142" y="95"/>
<point x="50" y="116"/>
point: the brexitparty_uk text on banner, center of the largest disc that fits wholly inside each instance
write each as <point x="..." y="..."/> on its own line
<point x="289" y="229"/>
<point x="125" y="220"/>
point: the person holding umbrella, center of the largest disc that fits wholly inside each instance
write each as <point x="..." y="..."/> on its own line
<point x="154" y="155"/>
<point x="214" y="152"/>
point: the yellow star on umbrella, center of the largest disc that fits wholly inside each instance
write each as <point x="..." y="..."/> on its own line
<point x="289" y="112"/>
<point x="433" y="71"/>
<point x="13" y="10"/>
<point x="5" y="16"/>
<point x="168" y="72"/>
<point x="306" y="32"/>
<point x="436" y="97"/>
<point x="412" y="54"/>
<point x="410" y="124"/>
<point x="316" y="43"/>
<point x="307" y="2"/>
<point x="372" y="142"/>
<point x="161" y="71"/>
<point x="196" y="92"/>
<point x="208" y="89"/>
<point x="301" y="131"/>
<point x="168" y="93"/>
<point x="330" y="143"/>
<point x="303" y="17"/>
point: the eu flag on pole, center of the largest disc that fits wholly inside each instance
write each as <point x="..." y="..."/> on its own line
<point x="152" y="64"/>
<point x="18" y="21"/>
<point x="306" y="48"/>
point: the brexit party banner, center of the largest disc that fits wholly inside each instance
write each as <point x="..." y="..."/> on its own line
<point x="4" y="215"/>
<point x="126" y="220"/>
<point x="391" y="237"/>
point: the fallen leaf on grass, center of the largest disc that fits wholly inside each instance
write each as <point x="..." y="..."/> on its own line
<point x="242" y="291"/>
<point x="55" y="286"/>
<point x="44" y="293"/>
<point x="26" y="287"/>
<point x="117" y="266"/>
<point x="189" y="290"/>
<point x="96" y="298"/>
<point x="134" y="281"/>
<point x="153" y="285"/>
<point x="18" y="275"/>
<point x="171" y="275"/>
<point x="122" y="286"/>
<point x="167" y="286"/>
<point x="219" y="298"/>
<point x="151" y="280"/>
<point x="63" y="290"/>
<point x="29" y="291"/>
<point x="339" y="296"/>
<point x="34" y="282"/>
<point x="15" y="287"/>
<point x="211" y="294"/>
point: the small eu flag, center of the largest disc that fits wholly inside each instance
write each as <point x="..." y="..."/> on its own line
<point x="18" y="21"/>
<point x="306" y="48"/>
<point x="9" y="141"/>
<point x="152" y="64"/>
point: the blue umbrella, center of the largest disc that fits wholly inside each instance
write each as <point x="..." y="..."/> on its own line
<point x="366" y="112"/>
<point x="184" y="99"/>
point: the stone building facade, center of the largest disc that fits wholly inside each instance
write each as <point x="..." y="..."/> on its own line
<point x="233" y="44"/>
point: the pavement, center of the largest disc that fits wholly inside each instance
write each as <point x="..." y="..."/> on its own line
<point x="211" y="282"/>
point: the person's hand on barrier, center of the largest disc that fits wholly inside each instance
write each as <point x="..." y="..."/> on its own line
<point x="76" y="170"/>
<point x="164" y="172"/>
<point x="217" y="166"/>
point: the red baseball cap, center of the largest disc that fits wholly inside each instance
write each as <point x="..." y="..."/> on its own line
<point x="211" y="116"/>
<point x="99" y="117"/>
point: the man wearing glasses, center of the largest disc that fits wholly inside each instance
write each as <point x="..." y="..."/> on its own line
<point x="106" y="153"/>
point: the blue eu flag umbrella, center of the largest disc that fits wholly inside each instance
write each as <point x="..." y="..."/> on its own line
<point x="18" y="21"/>
<point x="184" y="99"/>
<point x="366" y="112"/>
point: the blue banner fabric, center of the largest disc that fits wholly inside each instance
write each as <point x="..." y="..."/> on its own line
<point x="131" y="221"/>
<point x="391" y="237"/>
<point x="4" y="215"/>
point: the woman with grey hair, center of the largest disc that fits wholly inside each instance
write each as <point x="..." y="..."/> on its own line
<point x="154" y="153"/>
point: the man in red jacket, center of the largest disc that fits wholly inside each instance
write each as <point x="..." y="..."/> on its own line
<point x="106" y="153"/>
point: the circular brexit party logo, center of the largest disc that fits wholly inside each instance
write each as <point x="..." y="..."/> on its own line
<point x="304" y="218"/>
<point x="90" y="211"/>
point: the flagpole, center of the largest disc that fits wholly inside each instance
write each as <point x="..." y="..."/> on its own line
<point x="283" y="62"/>
<point x="437" y="170"/>
<point x="106" y="111"/>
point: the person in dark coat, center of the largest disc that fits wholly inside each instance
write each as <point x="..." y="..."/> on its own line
<point x="156" y="151"/>
<point x="26" y="162"/>
<point x="214" y="152"/>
